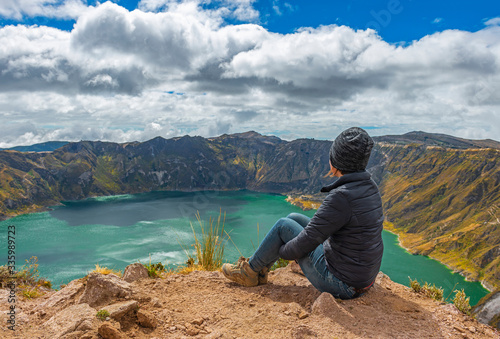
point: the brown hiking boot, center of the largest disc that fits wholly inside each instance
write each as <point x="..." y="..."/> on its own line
<point x="263" y="274"/>
<point x="241" y="273"/>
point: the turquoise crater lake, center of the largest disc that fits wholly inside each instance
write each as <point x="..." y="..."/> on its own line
<point x="118" y="230"/>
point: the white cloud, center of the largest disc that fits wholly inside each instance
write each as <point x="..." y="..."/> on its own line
<point x="62" y="9"/>
<point x="493" y="22"/>
<point x="110" y="78"/>
<point x="168" y="42"/>
<point x="242" y="10"/>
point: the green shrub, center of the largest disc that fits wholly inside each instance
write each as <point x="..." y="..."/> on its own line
<point x="430" y="291"/>
<point x="415" y="285"/>
<point x="279" y="263"/>
<point x="5" y="276"/>
<point x="154" y="270"/>
<point x="30" y="292"/>
<point x="29" y="272"/>
<point x="45" y="283"/>
<point x="461" y="301"/>
<point x="27" y="278"/>
<point x="190" y="262"/>
<point x="102" y="314"/>
<point x="433" y="291"/>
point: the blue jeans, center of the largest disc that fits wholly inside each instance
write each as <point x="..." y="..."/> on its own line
<point x="313" y="265"/>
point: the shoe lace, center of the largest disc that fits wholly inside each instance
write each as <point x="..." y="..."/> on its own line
<point x="240" y="262"/>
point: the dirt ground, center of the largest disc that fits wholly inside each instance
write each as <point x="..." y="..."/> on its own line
<point x="206" y="305"/>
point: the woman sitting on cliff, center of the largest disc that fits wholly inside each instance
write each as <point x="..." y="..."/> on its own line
<point x="340" y="248"/>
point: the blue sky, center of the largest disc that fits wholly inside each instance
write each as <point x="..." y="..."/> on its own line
<point x="396" y="21"/>
<point x="132" y="70"/>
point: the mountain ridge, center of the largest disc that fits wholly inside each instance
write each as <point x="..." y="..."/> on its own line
<point x="437" y="139"/>
<point x="431" y="139"/>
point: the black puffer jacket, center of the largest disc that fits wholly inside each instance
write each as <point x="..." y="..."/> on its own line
<point x="350" y="220"/>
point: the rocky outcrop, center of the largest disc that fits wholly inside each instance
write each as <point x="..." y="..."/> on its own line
<point x="100" y="289"/>
<point x="70" y="319"/>
<point x="146" y="319"/>
<point x="121" y="309"/>
<point x="326" y="305"/>
<point x="135" y="272"/>
<point x="487" y="310"/>
<point x="207" y="305"/>
<point x="108" y="331"/>
<point x="62" y="298"/>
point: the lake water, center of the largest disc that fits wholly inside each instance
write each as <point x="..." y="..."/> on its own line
<point x="116" y="231"/>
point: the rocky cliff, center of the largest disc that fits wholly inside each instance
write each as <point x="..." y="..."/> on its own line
<point x="445" y="203"/>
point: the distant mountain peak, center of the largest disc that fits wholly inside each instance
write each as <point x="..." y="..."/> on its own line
<point x="437" y="139"/>
<point x="249" y="134"/>
<point x="47" y="146"/>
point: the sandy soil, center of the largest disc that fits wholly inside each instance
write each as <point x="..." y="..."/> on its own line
<point x="206" y="305"/>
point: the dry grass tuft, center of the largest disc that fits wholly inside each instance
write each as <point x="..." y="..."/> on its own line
<point x="105" y="270"/>
<point x="209" y="247"/>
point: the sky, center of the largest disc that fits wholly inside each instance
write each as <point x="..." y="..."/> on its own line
<point x="128" y="70"/>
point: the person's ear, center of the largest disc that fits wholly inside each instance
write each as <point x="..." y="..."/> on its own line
<point x="333" y="170"/>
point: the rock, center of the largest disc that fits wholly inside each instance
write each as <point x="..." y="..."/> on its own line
<point x="69" y="319"/>
<point x="326" y="305"/>
<point x="63" y="297"/>
<point x="487" y="310"/>
<point x="22" y="318"/>
<point x="118" y="310"/>
<point x="135" y="272"/>
<point x="101" y="288"/>
<point x="155" y="302"/>
<point x="86" y="325"/>
<point x="214" y="335"/>
<point x="197" y="321"/>
<point x="303" y="314"/>
<point x="4" y="293"/>
<point x="107" y="331"/>
<point x="146" y="319"/>
<point x="381" y="277"/>
<point x="192" y="331"/>
<point x="303" y="332"/>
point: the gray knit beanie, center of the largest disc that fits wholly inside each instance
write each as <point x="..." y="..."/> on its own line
<point x="351" y="150"/>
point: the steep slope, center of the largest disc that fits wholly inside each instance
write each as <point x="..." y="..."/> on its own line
<point x="436" y="139"/>
<point x="445" y="203"/>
